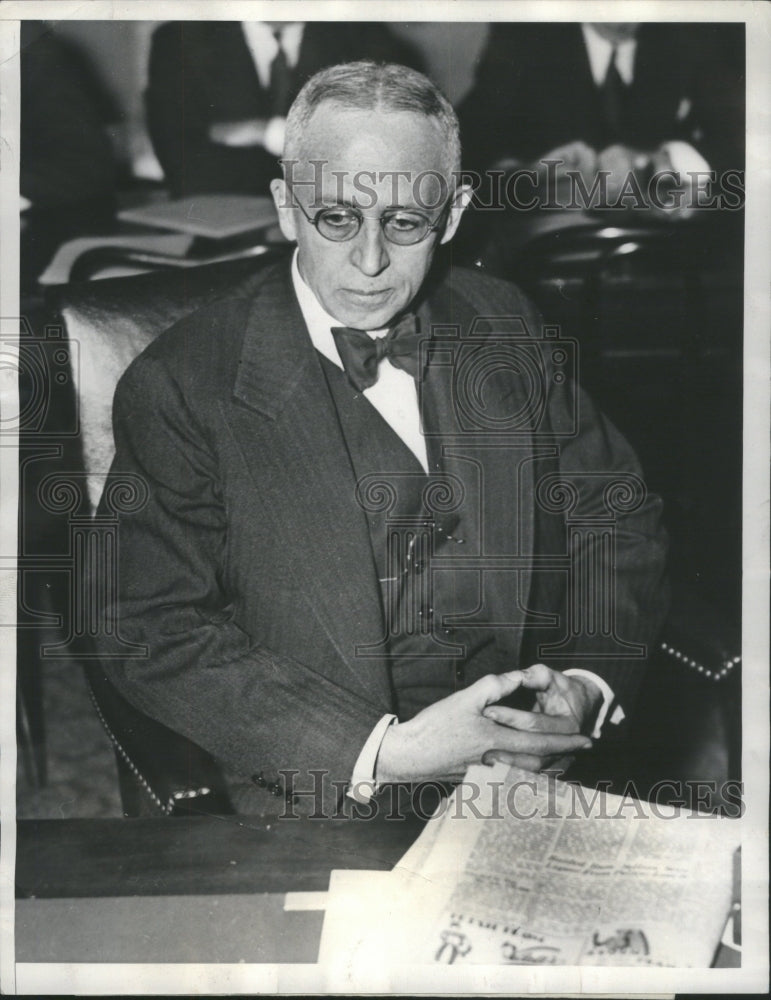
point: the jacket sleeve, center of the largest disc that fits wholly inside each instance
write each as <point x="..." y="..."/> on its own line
<point x="611" y="604"/>
<point x="204" y="675"/>
<point x="617" y="594"/>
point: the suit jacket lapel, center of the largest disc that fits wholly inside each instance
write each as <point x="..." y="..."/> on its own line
<point x="288" y="428"/>
<point x="505" y="462"/>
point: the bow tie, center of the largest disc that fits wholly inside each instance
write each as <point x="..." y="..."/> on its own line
<point x="361" y="354"/>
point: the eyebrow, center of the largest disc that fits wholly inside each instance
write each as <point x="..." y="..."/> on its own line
<point x="347" y="203"/>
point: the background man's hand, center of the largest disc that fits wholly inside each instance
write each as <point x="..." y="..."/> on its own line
<point x="564" y="704"/>
<point x="249" y="132"/>
<point x="576" y="156"/>
<point x="676" y="193"/>
<point x="621" y="162"/>
<point x="444" y="739"/>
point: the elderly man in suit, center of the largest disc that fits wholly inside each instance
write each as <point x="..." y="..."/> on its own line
<point x="376" y="497"/>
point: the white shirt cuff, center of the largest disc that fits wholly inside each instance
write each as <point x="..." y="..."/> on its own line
<point x="685" y="159"/>
<point x="274" y="136"/>
<point x="363" y="785"/>
<point x="607" y="700"/>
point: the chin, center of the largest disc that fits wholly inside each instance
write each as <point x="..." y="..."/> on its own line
<point x="371" y="321"/>
<point x="367" y="319"/>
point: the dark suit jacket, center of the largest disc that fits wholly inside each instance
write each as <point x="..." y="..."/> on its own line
<point x="66" y="157"/>
<point x="534" y="91"/>
<point x="202" y="72"/>
<point x="249" y="573"/>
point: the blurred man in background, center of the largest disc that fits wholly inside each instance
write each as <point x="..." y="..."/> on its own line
<point x="67" y="170"/>
<point x="219" y="91"/>
<point x="620" y="97"/>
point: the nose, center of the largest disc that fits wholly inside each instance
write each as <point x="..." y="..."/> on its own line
<point x="369" y="252"/>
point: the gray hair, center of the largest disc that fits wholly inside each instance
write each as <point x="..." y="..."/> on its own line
<point x="371" y="86"/>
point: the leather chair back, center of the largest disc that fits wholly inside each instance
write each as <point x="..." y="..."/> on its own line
<point x="110" y="321"/>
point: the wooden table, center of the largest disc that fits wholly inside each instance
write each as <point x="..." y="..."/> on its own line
<point x="189" y="889"/>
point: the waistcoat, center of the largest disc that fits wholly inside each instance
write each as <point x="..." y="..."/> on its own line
<point x="416" y="520"/>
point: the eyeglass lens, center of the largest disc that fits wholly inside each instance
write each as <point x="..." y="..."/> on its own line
<point x="402" y="227"/>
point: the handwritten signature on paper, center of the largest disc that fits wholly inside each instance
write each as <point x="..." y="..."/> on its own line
<point x="624" y="941"/>
<point x="454" y="943"/>
<point x="528" y="948"/>
<point x="536" y="954"/>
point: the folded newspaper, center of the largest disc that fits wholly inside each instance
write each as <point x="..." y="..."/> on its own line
<point x="523" y="869"/>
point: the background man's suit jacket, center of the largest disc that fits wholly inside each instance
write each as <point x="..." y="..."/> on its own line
<point x="534" y="91"/>
<point x="249" y="572"/>
<point x="202" y="72"/>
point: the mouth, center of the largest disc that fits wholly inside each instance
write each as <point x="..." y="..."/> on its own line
<point x="371" y="297"/>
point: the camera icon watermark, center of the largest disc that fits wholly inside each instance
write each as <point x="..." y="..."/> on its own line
<point x="500" y="375"/>
<point x="47" y="367"/>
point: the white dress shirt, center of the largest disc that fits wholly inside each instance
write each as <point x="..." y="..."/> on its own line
<point x="395" y="397"/>
<point x="600" y="52"/>
<point x="263" y="45"/>
<point x="682" y="155"/>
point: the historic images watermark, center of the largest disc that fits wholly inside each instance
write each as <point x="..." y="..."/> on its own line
<point x="550" y="184"/>
<point x="499" y="800"/>
<point x="68" y="545"/>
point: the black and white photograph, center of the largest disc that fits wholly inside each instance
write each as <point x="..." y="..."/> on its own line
<point x="384" y="442"/>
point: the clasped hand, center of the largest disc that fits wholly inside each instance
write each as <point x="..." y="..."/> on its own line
<point x="471" y="726"/>
<point x="627" y="171"/>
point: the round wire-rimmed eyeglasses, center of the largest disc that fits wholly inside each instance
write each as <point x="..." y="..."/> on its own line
<point x="402" y="226"/>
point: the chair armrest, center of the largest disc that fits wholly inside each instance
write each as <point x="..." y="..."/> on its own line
<point x="697" y="637"/>
<point x="177" y="775"/>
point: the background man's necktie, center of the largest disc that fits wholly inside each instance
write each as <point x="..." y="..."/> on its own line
<point x="280" y="80"/>
<point x="615" y="97"/>
<point x="361" y="354"/>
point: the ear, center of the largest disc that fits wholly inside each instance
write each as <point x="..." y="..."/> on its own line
<point x="460" y="202"/>
<point x="287" y="214"/>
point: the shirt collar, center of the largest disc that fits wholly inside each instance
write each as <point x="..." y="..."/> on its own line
<point x="600" y="50"/>
<point x="263" y="45"/>
<point x="317" y="319"/>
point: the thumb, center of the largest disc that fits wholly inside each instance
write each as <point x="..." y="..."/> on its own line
<point x="538" y="677"/>
<point x="493" y="687"/>
<point x="492" y="757"/>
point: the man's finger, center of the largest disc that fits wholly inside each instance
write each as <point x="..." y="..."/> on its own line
<point x="530" y="722"/>
<point x="559" y="766"/>
<point x="539" y="744"/>
<point x="539" y="677"/>
<point x="526" y="761"/>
